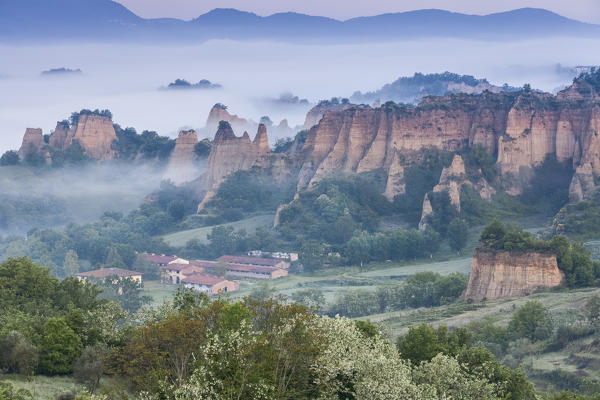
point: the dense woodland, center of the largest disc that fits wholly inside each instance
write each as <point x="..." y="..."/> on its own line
<point x="257" y="348"/>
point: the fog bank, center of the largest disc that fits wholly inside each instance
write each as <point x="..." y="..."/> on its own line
<point x="126" y="79"/>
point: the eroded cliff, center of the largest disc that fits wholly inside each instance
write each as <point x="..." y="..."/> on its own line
<point x="182" y="161"/>
<point x="497" y="275"/>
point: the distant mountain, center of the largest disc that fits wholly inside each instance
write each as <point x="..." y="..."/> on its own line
<point x="106" y="20"/>
<point x="412" y="89"/>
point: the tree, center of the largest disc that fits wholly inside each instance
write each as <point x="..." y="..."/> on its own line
<point x="60" y="346"/>
<point x="89" y="367"/>
<point x="202" y="148"/>
<point x="458" y="233"/>
<point x="113" y="259"/>
<point x="266" y="120"/>
<point x="532" y="321"/>
<point x="10" y="157"/>
<point x="71" y="264"/>
<point x="312" y="255"/>
<point x="17" y="354"/>
<point x="125" y="291"/>
<point x="423" y="343"/>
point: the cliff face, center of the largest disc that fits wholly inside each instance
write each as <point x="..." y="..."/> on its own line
<point x="502" y="274"/>
<point x="315" y="114"/>
<point x="181" y="167"/>
<point x="219" y="113"/>
<point x="520" y="128"/>
<point x="33" y="141"/>
<point x="452" y="180"/>
<point x="95" y="134"/>
<point x="230" y="153"/>
<point x="523" y="128"/>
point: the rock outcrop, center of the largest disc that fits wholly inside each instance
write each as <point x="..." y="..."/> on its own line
<point x="315" y="114"/>
<point x="582" y="184"/>
<point x="522" y="128"/>
<point x="95" y="133"/>
<point x="182" y="161"/>
<point x="219" y="113"/>
<point x="452" y="180"/>
<point x="33" y="142"/>
<point x="230" y="153"/>
<point x="503" y="275"/>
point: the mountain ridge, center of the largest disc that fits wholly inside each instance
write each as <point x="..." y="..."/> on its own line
<point x="22" y="20"/>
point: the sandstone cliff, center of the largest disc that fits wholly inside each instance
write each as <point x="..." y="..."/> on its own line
<point x="230" y="153"/>
<point x="315" y="114"/>
<point x="219" y="113"/>
<point x="33" y="142"/>
<point x="520" y="128"/>
<point x="502" y="274"/>
<point x="95" y="134"/>
<point x="452" y="180"/>
<point x="182" y="167"/>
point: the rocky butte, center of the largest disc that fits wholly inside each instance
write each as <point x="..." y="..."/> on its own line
<point x="94" y="133"/>
<point x="500" y="274"/>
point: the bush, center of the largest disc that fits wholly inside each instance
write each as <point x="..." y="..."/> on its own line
<point x="89" y="367"/>
<point x="10" y="157"/>
<point x="17" y="355"/>
<point x="532" y="321"/>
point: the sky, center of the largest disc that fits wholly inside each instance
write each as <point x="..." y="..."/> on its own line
<point x="583" y="10"/>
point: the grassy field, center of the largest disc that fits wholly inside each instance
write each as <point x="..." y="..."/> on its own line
<point x="159" y="292"/>
<point x="179" y="239"/>
<point x="45" y="387"/>
<point x="561" y="305"/>
<point x="330" y="282"/>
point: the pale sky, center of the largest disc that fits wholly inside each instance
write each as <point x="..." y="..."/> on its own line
<point x="583" y="10"/>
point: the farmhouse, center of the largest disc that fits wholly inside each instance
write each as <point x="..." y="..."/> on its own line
<point x="175" y="272"/>
<point x="209" y="284"/>
<point x="256" y="272"/>
<point x="104" y="273"/>
<point x="261" y="262"/>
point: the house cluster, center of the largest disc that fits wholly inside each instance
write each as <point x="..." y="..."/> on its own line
<point x="275" y="254"/>
<point x="203" y="275"/>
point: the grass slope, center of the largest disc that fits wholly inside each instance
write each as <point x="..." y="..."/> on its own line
<point x="45" y="387"/>
<point x="179" y="239"/>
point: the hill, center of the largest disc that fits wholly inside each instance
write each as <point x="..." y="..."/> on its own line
<point x="106" y="20"/>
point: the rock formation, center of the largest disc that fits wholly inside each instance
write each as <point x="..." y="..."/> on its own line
<point x="395" y="183"/>
<point x="182" y="167"/>
<point x="95" y="133"/>
<point x="33" y="142"/>
<point x="521" y="128"/>
<point x="219" y="113"/>
<point x="503" y="275"/>
<point x="452" y="180"/>
<point x="582" y="184"/>
<point x="230" y="153"/>
<point x="315" y="114"/>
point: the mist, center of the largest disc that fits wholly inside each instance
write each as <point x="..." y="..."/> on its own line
<point x="126" y="78"/>
<point x="53" y="197"/>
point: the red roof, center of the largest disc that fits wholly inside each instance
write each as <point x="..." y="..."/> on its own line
<point x="252" y="268"/>
<point x="204" y="263"/>
<point x="267" y="262"/>
<point x="200" y="279"/>
<point x="159" y="259"/>
<point x="105" y="272"/>
<point x="181" y="267"/>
